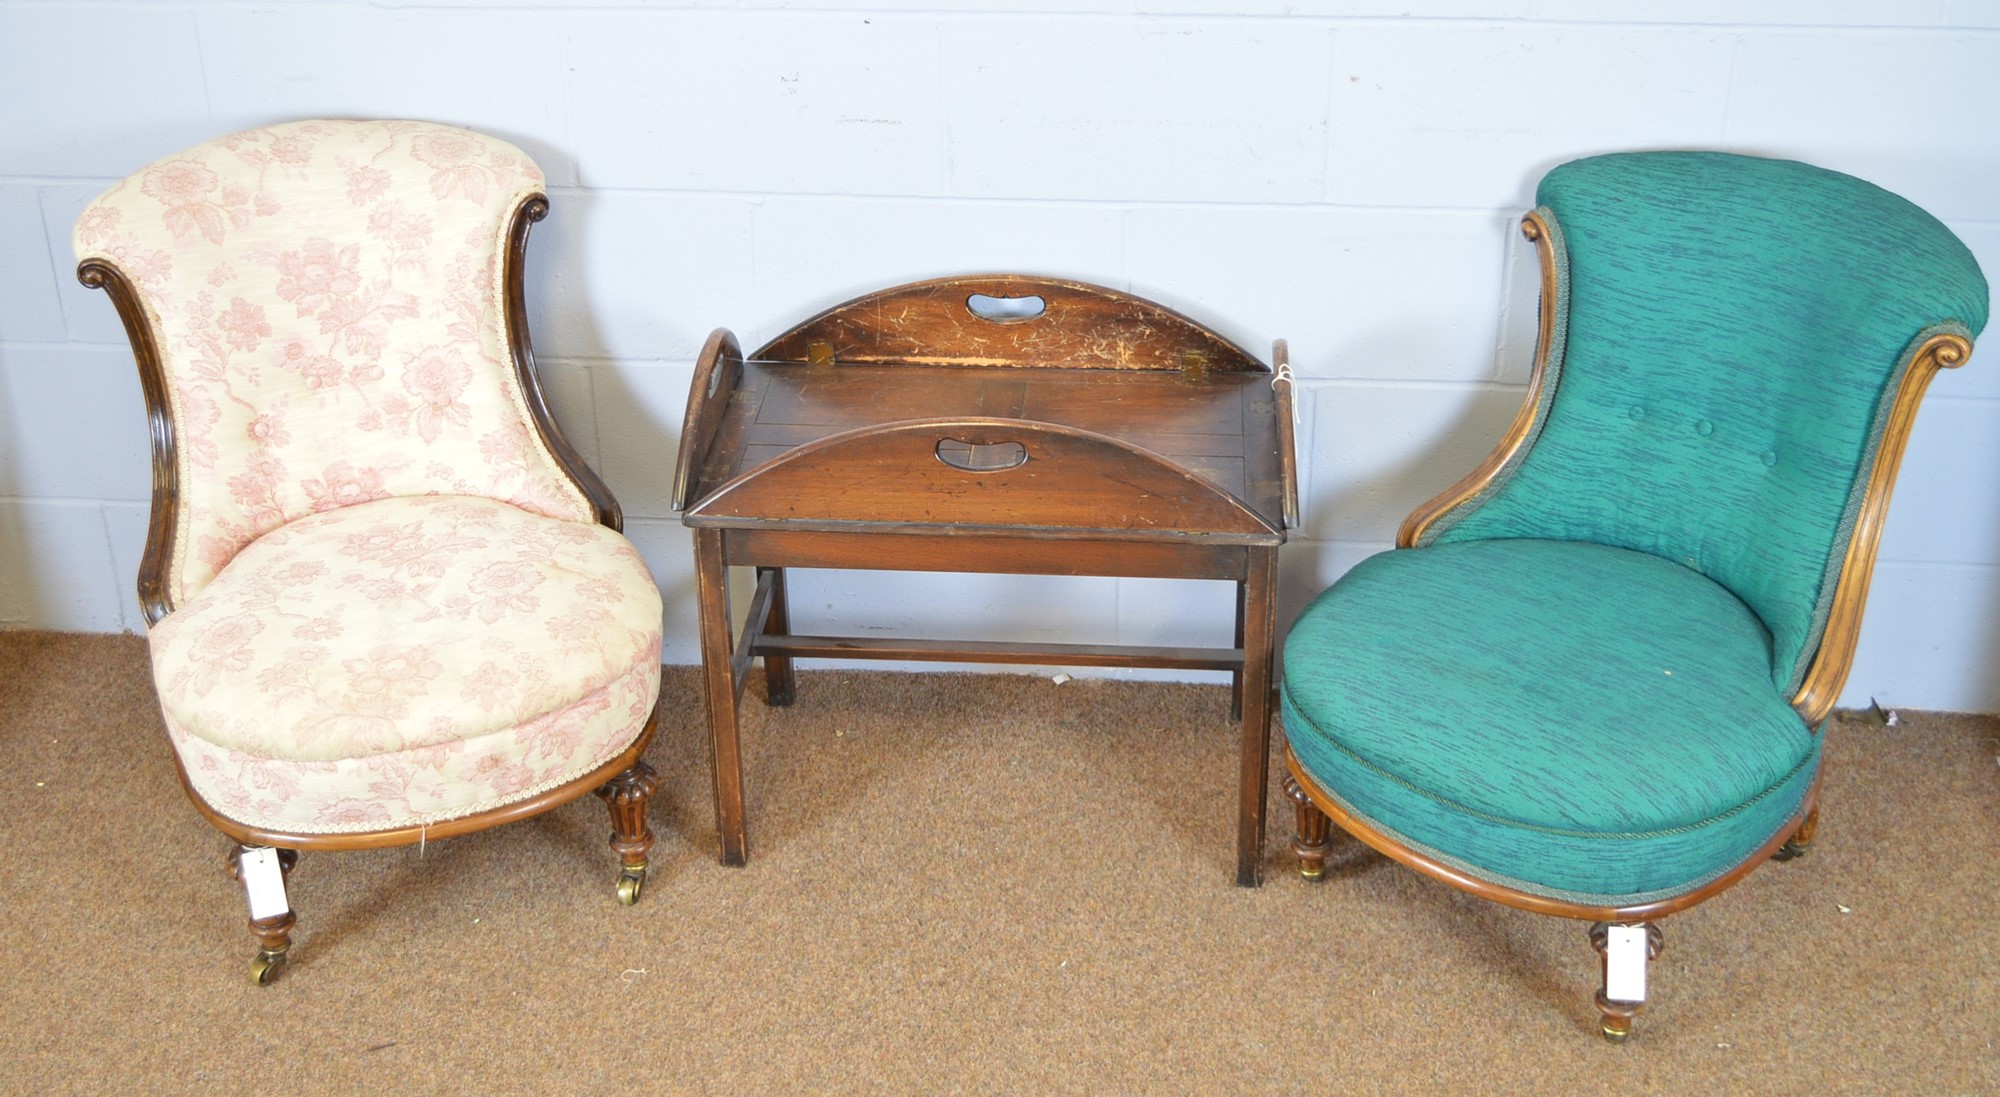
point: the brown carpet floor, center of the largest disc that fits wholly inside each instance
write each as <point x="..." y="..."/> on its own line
<point x="958" y="884"/>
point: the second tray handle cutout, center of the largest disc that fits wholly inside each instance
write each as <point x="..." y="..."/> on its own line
<point x="1006" y="310"/>
<point x="974" y="457"/>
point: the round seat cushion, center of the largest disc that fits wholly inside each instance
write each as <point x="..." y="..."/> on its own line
<point x="407" y="661"/>
<point x="1573" y="720"/>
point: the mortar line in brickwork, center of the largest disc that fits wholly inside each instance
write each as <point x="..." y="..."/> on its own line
<point x="944" y="13"/>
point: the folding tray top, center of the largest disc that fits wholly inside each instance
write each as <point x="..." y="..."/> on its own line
<point x="992" y="404"/>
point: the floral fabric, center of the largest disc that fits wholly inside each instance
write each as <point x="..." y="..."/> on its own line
<point x="408" y="660"/>
<point x="328" y="302"/>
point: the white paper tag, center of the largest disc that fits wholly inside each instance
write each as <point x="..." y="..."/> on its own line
<point x="264" y="882"/>
<point x="1625" y="964"/>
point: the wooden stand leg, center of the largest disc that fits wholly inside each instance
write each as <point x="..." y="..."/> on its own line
<point x="719" y="682"/>
<point x="274" y="928"/>
<point x="1801" y="839"/>
<point x="1618" y="1012"/>
<point x="1236" y="676"/>
<point x="1309" y="833"/>
<point x="779" y="687"/>
<point x="627" y="796"/>
<point x="1260" y="614"/>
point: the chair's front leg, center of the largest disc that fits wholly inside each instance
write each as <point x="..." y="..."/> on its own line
<point x="1309" y="832"/>
<point x="627" y="796"/>
<point x="1625" y="949"/>
<point x="262" y="871"/>
<point x="1801" y="839"/>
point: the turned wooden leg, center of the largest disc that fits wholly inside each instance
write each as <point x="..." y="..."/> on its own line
<point x="1309" y="832"/>
<point x="1624" y="963"/>
<point x="719" y="686"/>
<point x="779" y="687"/>
<point x="271" y="917"/>
<point x="626" y="795"/>
<point x="1801" y="839"/>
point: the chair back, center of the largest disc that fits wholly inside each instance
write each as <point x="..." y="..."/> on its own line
<point x="325" y="302"/>
<point x="1732" y="333"/>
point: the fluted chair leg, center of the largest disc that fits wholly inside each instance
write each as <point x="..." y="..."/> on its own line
<point x="1309" y="831"/>
<point x="1801" y="839"/>
<point x="627" y="795"/>
<point x="262" y="871"/>
<point x="1624" y="962"/>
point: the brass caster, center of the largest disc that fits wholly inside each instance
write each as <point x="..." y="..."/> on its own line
<point x="265" y="967"/>
<point x="1801" y="839"/>
<point x="1311" y="872"/>
<point x="631" y="881"/>
<point x="1617" y="1035"/>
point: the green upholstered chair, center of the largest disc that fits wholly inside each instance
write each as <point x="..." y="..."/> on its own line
<point x="1591" y="678"/>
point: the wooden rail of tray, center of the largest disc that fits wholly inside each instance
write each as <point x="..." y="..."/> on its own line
<point x="716" y="374"/>
<point x="1081" y="326"/>
<point x="891" y="474"/>
<point x="933" y="323"/>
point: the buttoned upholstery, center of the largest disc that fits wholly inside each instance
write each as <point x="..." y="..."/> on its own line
<point x="1731" y="332"/>
<point x="1585" y="682"/>
<point x="1735" y="329"/>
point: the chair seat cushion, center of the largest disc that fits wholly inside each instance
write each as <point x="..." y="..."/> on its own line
<point x="407" y="661"/>
<point x="1573" y="720"/>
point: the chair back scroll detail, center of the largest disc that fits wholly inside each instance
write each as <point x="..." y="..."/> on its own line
<point x="1425" y="524"/>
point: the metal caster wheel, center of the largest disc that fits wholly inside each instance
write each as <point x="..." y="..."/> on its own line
<point x="631" y="882"/>
<point x="1801" y="839"/>
<point x="265" y="967"/>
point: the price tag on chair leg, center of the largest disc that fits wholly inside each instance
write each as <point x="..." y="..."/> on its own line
<point x="1625" y="963"/>
<point x="264" y="881"/>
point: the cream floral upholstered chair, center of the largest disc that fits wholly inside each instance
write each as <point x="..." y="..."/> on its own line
<point x="387" y="602"/>
<point x="1591" y="679"/>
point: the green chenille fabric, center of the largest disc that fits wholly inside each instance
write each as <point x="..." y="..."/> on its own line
<point x="1574" y="720"/>
<point x="1579" y="685"/>
<point x="1736" y="328"/>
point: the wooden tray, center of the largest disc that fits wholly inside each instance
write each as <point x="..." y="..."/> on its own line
<point x="993" y="423"/>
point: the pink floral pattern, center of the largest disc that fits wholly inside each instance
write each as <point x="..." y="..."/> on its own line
<point x="344" y="275"/>
<point x="408" y="660"/>
<point x="393" y="607"/>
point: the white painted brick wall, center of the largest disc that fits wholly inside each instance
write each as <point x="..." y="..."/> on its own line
<point x="1343" y="173"/>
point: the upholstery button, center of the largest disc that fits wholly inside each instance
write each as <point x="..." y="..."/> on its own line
<point x="1637" y="412"/>
<point x="1704" y="428"/>
<point x="1770" y="459"/>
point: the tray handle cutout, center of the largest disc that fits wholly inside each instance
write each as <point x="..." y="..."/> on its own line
<point x="976" y="457"/>
<point x="1006" y="310"/>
